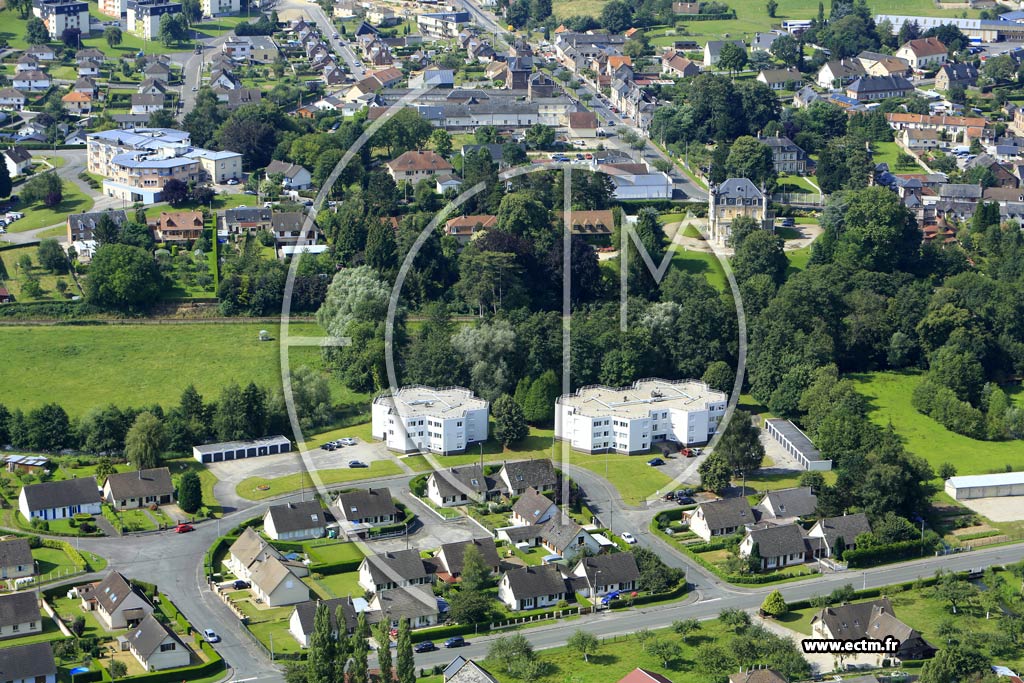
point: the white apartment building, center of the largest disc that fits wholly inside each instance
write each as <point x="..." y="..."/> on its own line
<point x="144" y="16"/>
<point x="420" y="418"/>
<point x="216" y="8"/>
<point x="60" y="15"/>
<point x="631" y="419"/>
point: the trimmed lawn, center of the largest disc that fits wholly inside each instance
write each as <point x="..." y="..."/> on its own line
<point x="340" y="585"/>
<point x="39" y="216"/>
<point x="220" y="203"/>
<point x="91" y="366"/>
<point x="795" y="183"/>
<point x="360" y="431"/>
<point x="774" y="482"/>
<point x="333" y="552"/>
<point x="630" y="474"/>
<point x="207" y="481"/>
<point x="247" y="488"/>
<point x="701" y="263"/>
<point x="798" y="259"/>
<point x="69" y="608"/>
<point x="888" y="152"/>
<point x="275" y="636"/>
<point x="889" y="395"/>
<point x="52" y="561"/>
<point x="417" y="463"/>
<point x="49" y="632"/>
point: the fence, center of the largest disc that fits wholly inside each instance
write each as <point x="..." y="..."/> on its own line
<point x="546" y="616"/>
<point x="799" y="198"/>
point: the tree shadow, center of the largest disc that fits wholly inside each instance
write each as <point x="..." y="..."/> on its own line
<point x="604" y="659"/>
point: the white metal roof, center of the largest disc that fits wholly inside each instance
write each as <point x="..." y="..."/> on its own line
<point x="1000" y="479"/>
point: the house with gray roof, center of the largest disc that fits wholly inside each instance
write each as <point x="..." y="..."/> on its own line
<point x="874" y="619"/>
<point x="295" y="177"/>
<point x="300" y="624"/>
<point x="415" y="603"/>
<point x="460" y="485"/>
<point x="60" y="499"/>
<point x="20" y="615"/>
<point x="33" y="663"/>
<point x="127" y="490"/>
<point x="713" y="50"/>
<point x="757" y="676"/>
<point x="950" y="75"/>
<point x="787" y="156"/>
<point x="777" y="546"/>
<point x="870" y="88"/>
<point x="788" y="503"/>
<point x="451" y="556"/>
<point x="365" y="508"/>
<point x="278" y="582"/>
<point x="393" y="569"/>
<point x="16" y="559"/>
<point x="961" y="192"/>
<point x="248" y="550"/>
<point x="295" y="521"/>
<point x="722" y="517"/>
<point x="520" y="475"/>
<point x="515" y="535"/>
<point x="157" y="647"/>
<point x="532" y="587"/>
<point x="602" y="574"/>
<point x="839" y="72"/>
<point x="831" y="536"/>
<point x="467" y="671"/>
<point x="532" y="507"/>
<point x="116" y="602"/>
<point x="567" y="538"/>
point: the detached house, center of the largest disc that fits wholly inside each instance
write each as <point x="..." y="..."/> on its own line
<point x="758" y="676"/>
<point x="567" y="538"/>
<point x="295" y="177"/>
<point x="11" y="99"/>
<point x="368" y="508"/>
<point x="788" y="504"/>
<point x="33" y="663"/>
<point x="416" y="165"/>
<point x="16" y="559"/>
<point x="117" y="603"/>
<point x="677" y="65"/>
<point x="876" y="620"/>
<point x="300" y="625"/>
<point x="450" y="559"/>
<point x="20" y="615"/>
<point x="839" y="72"/>
<point x="777" y="546"/>
<point x="520" y="475"/>
<point x="868" y="88"/>
<point x="248" y="550"/>
<point x="278" y="583"/>
<point x="415" y="603"/>
<point x="532" y="508"/>
<point x="781" y="79"/>
<point x="787" y="156"/>
<point x="462" y="228"/>
<point x="77" y="103"/>
<point x="156" y="647"/>
<point x="178" y="226"/>
<point x="964" y="75"/>
<point x="393" y="569"/>
<point x="127" y="490"/>
<point x="295" y="521"/>
<point x="923" y="53"/>
<point x="532" y="587"/>
<point x="831" y="536"/>
<point x="713" y="50"/>
<point x="32" y="80"/>
<point x="459" y="486"/>
<point x="60" y="499"/>
<point x="604" y="574"/>
<point x="720" y="517"/>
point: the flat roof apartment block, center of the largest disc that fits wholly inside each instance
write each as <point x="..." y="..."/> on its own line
<point x="631" y="419"/>
<point x="797" y="444"/>
<point x="420" y="418"/>
<point x="60" y="15"/>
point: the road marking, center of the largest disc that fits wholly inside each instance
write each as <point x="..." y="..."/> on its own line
<point x="701" y="602"/>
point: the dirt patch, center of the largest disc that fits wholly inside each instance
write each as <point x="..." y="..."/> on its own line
<point x="976" y="529"/>
<point x="1001" y="509"/>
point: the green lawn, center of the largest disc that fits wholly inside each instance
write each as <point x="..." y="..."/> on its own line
<point x="631" y="475"/>
<point x="206" y="480"/>
<point x="798" y="259"/>
<point x="47" y="280"/>
<point x="795" y="183"/>
<point x="889" y="394"/>
<point x="250" y="488"/>
<point x="333" y="552"/>
<point x="221" y="202"/>
<point x="888" y="152"/>
<point x="91" y="366"/>
<point x="39" y="216"/>
<point x="52" y="563"/>
<point x="49" y="632"/>
<point x="701" y="263"/>
<point x="339" y="585"/>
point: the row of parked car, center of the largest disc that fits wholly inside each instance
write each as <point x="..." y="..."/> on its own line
<point x="340" y="443"/>
<point x="9" y="218"/>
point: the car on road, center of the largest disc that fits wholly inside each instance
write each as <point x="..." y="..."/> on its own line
<point x="211" y="635"/>
<point x="425" y="646"/>
<point x="335" y="36"/>
<point x="455" y="641"/>
<point x="195" y="88"/>
<point x="231" y="181"/>
<point x="628" y="537"/>
<point x="183" y="528"/>
<point x="240" y="585"/>
<point x="655" y="462"/>
<point x="347" y="441"/>
<point x="356" y="464"/>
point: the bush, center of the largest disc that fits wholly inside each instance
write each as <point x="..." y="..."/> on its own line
<point x="892" y="552"/>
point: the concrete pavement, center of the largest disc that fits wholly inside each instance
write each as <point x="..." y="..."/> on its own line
<point x="312" y="11"/>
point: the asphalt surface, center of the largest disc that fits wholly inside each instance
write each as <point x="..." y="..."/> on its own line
<point x="312" y="11"/>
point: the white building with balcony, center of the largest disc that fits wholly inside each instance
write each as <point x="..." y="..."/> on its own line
<point x="632" y="419"/>
<point x="420" y="418"/>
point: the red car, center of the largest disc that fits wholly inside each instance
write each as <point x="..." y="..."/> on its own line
<point x="183" y="528"/>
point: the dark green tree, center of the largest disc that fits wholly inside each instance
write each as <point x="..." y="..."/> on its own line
<point x="509" y="421"/>
<point x="190" y="493"/>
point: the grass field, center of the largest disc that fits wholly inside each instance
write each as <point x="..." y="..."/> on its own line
<point x="220" y="203"/>
<point x="888" y="152"/>
<point x="339" y="585"/>
<point x="798" y="259"/>
<point x="92" y="366"/>
<point x="250" y="488"/>
<point x="333" y="552"/>
<point x="889" y="394"/>
<point x="701" y="263"/>
<point x="796" y="184"/>
<point x="39" y="216"/>
<point x="47" y="280"/>
<point x="630" y="474"/>
<point x="52" y="560"/>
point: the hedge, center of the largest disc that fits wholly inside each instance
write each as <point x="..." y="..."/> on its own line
<point x="447" y="631"/>
<point x="697" y="548"/>
<point x="81" y="564"/>
<point x="190" y="673"/>
<point x="683" y="18"/>
<point x="676" y="592"/>
<point x="857" y="558"/>
<point x="331" y="568"/>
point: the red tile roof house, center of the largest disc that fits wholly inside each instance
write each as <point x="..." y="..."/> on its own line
<point x="416" y="165"/>
<point x="639" y="675"/>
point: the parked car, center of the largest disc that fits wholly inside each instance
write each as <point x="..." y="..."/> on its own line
<point x="183" y="528"/>
<point x="347" y="441"/>
<point x="425" y="646"/>
<point x="455" y="641"/>
<point x="628" y="537"/>
<point x="671" y="495"/>
<point x="655" y="462"/>
<point x="329" y="447"/>
<point x="211" y="635"/>
<point x="241" y="585"/>
<point x="356" y="464"/>
<point x="685" y="500"/>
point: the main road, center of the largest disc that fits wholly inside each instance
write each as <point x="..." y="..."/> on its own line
<point x="175" y="563"/>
